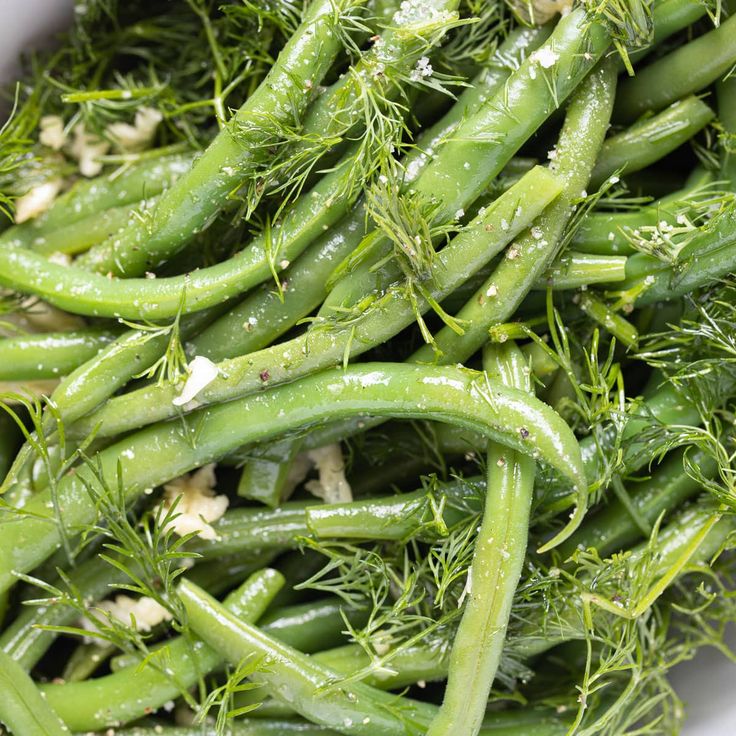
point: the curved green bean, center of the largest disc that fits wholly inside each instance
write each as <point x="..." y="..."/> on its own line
<point x="160" y="452"/>
<point x="136" y="691"/>
<point x="651" y="139"/>
<point x="498" y="557"/>
<point x="325" y="345"/>
<point x="262" y="316"/>
<point x="199" y="194"/>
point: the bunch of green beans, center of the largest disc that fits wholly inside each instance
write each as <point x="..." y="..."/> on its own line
<point x="396" y="399"/>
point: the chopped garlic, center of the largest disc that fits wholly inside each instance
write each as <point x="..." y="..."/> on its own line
<point x="202" y="371"/>
<point x="332" y="485"/>
<point x="52" y="132"/>
<point x="198" y="505"/>
<point x="36" y="200"/>
<point x="86" y="149"/>
<point x="138" y="136"/>
<point x="146" y="612"/>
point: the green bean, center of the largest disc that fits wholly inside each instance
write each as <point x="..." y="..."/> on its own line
<point x="89" y="198"/>
<point x="262" y="316"/>
<point x="614" y="527"/>
<point x="396" y="517"/>
<point x="575" y="270"/>
<point x="154" y="455"/>
<point x="607" y="233"/>
<point x="682" y="72"/>
<point x="265" y="476"/>
<point x="709" y="255"/>
<point x="49" y="354"/>
<point x="529" y="256"/>
<point x="533" y="721"/>
<point x="304" y="684"/>
<point x="22" y="709"/>
<point x="79" y="236"/>
<point x="726" y="91"/>
<point x="308" y="627"/>
<point x="651" y="139"/>
<point x="198" y="195"/>
<point x="478" y="150"/>
<point x="88" y="386"/>
<point x="498" y="557"/>
<point x="85" y="660"/>
<point x="134" y="692"/>
<point x="613" y="322"/>
<point x="255" y="529"/>
<point x="326" y="345"/>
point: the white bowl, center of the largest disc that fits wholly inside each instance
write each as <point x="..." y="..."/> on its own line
<point x="705" y="684"/>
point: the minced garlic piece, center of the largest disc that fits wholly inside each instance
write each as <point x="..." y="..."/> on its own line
<point x="332" y="485"/>
<point x="146" y="612"/>
<point x="36" y="200"/>
<point x="202" y="371"/>
<point x="52" y="132"/>
<point x="138" y="136"/>
<point x="198" y="505"/>
<point x="86" y="149"/>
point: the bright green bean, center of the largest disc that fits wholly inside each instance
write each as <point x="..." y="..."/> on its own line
<point x="49" y="354"/>
<point x="78" y="237"/>
<point x="611" y="321"/>
<point x="22" y="709"/>
<point x="161" y="452"/>
<point x="326" y="345"/>
<point x="574" y="270"/>
<point x="136" y="691"/>
<point x="499" y="554"/>
<point x="262" y="316"/>
<point x="529" y="256"/>
<point x="90" y="198"/>
<point x="355" y="708"/>
<point x="682" y="72"/>
<point x="651" y="139"/>
<point x="198" y="195"/>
